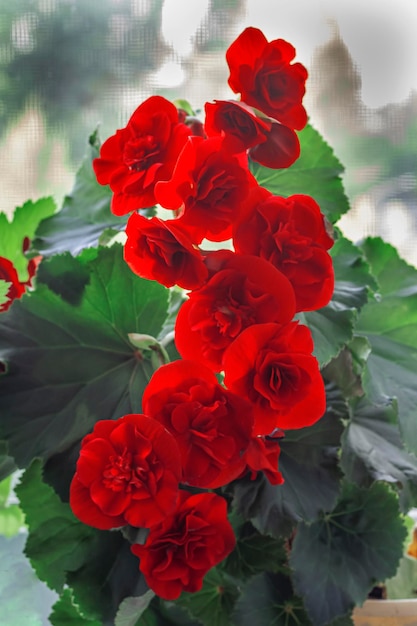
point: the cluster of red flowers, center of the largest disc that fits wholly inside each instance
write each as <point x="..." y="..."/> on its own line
<point x="238" y="319"/>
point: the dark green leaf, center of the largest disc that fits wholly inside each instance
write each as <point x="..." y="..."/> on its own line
<point x="309" y="464"/>
<point x="97" y="565"/>
<point x="214" y="603"/>
<point x="255" y="553"/>
<point x="332" y="326"/>
<point x="390" y="325"/>
<point x="66" y="613"/>
<point x="338" y="559"/>
<point x="69" y="366"/>
<point x="373" y="450"/>
<point x="317" y="173"/>
<point x="268" y="599"/>
<point x="24" y="224"/>
<point x="83" y="217"/>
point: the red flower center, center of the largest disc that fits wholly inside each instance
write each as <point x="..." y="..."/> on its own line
<point x="126" y="473"/>
<point x="141" y="152"/>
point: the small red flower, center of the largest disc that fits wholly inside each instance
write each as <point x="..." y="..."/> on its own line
<point x="244" y="290"/>
<point x="186" y="545"/>
<point x="262" y="456"/>
<point x="127" y="473"/>
<point x="291" y="234"/>
<point x="208" y="187"/>
<point x="211" y="425"/>
<point x="263" y="74"/>
<point x="163" y="251"/>
<point x="137" y="156"/>
<point x="272" y="366"/>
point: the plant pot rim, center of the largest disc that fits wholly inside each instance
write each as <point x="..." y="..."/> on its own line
<point x="384" y="608"/>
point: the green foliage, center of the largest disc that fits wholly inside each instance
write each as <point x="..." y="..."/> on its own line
<point x="214" y="603"/>
<point x="24" y="224"/>
<point x="339" y="558"/>
<point x="73" y="365"/>
<point x="84" y="215"/>
<point x="317" y="173"/>
<point x="390" y="325"/>
<point x="373" y="450"/>
<point x="333" y="325"/>
<point x="97" y="565"/>
<point x="4" y="288"/>
<point x="269" y="599"/>
<point x="131" y="609"/>
<point x="309" y="464"/>
<point x="66" y="613"/>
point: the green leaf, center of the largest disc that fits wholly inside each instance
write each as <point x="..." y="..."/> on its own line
<point x="69" y="366"/>
<point x="373" y="450"/>
<point x="84" y="216"/>
<point x="403" y="585"/>
<point x="57" y="540"/>
<point x="97" y="565"/>
<point x="390" y="325"/>
<point x="309" y="464"/>
<point x="268" y="599"/>
<point x="317" y="173"/>
<point x="255" y="553"/>
<point x="4" y="288"/>
<point x="11" y="520"/>
<point x="332" y="326"/>
<point x="66" y="613"/>
<point x="24" y="224"/>
<point x="131" y="609"/>
<point x="214" y="603"/>
<point x="338" y="559"/>
<point x="24" y="599"/>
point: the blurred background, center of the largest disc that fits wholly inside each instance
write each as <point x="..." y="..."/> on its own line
<point x="68" y="66"/>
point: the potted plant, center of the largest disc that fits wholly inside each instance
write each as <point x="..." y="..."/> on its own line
<point x="209" y="390"/>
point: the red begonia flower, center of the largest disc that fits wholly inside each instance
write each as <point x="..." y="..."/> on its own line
<point x="134" y="158"/>
<point x="180" y="551"/>
<point x="244" y="290"/>
<point x="128" y="472"/>
<point x="272" y="366"/>
<point x="262" y="456"/>
<point x="263" y="74"/>
<point x="163" y="251"/>
<point x="211" y="425"/>
<point x="208" y="187"/>
<point x="291" y="234"/>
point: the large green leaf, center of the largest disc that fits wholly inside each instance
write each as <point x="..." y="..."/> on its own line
<point x="373" y="450"/>
<point x="338" y="559"/>
<point x="332" y="326"/>
<point x="309" y="464"/>
<point x="68" y="366"/>
<point x="390" y="325"/>
<point x="97" y="565"/>
<point x="214" y="603"/>
<point x="317" y="173"/>
<point x="268" y="599"/>
<point x="24" y="224"/>
<point x="84" y="216"/>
